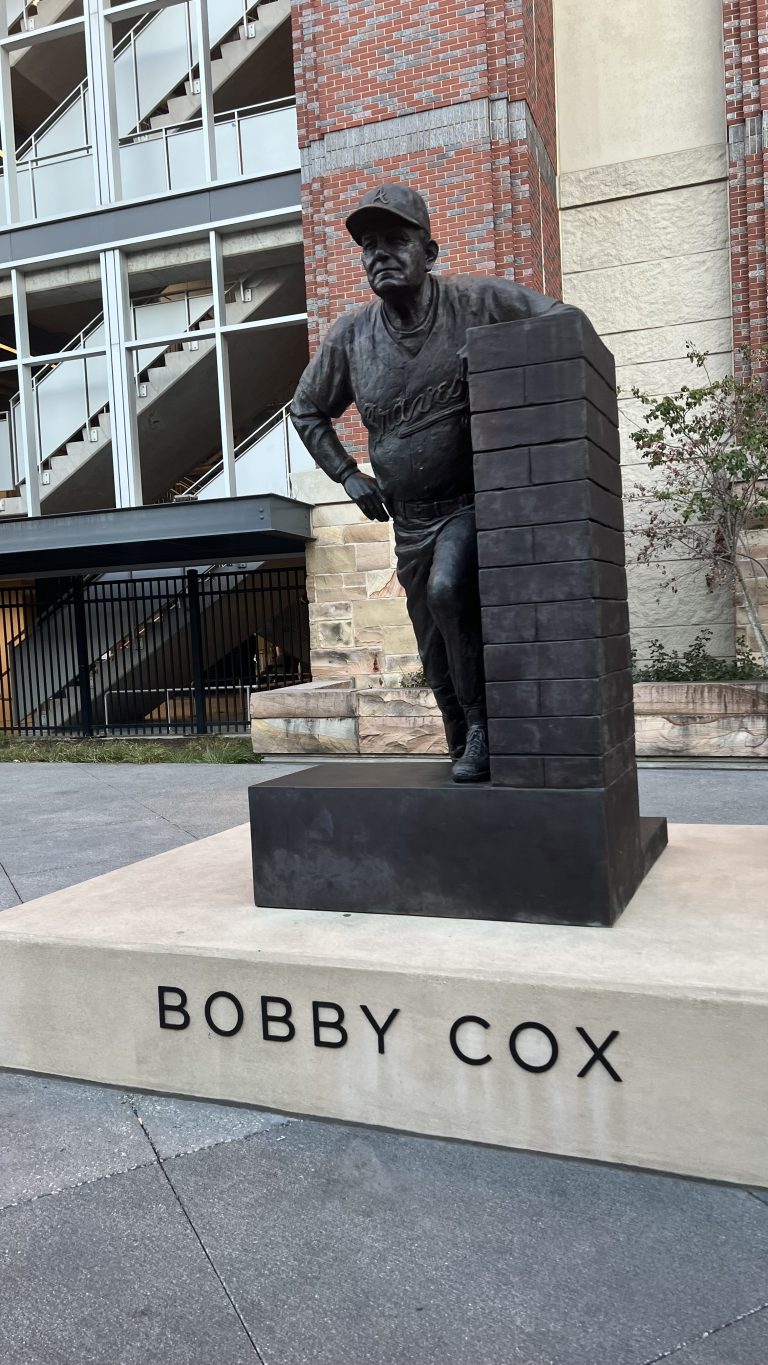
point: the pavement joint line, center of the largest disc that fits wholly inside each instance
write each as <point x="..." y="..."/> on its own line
<point x="132" y="1100"/>
<point x="199" y="1240"/>
<point x="761" y="1198"/>
<point x="143" y="806"/>
<point x="11" y="882"/>
<point x="140" y="1165"/>
<point x="704" y="1336"/>
<point x="76" y="1185"/>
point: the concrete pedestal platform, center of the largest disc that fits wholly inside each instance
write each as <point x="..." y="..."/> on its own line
<point x="644" y="1046"/>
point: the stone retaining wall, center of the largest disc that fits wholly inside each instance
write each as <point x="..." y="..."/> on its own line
<point x="701" y="720"/>
<point x="674" y="720"/>
<point x="338" y="718"/>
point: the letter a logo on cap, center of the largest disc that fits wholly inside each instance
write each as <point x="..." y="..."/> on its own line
<point x="380" y="197"/>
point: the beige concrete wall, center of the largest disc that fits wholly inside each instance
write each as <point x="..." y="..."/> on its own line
<point x="644" y="225"/>
<point x="757" y="546"/>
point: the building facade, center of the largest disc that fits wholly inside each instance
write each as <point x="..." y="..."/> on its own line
<point x="153" y="327"/>
<point x="176" y="176"/>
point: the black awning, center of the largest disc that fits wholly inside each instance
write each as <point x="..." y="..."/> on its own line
<point x="221" y="530"/>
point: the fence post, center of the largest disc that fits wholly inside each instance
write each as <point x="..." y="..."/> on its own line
<point x="196" y="649"/>
<point x="83" y="660"/>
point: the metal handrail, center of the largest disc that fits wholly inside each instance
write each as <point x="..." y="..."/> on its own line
<point x="277" y="418"/>
<point x="79" y="90"/>
<point x="68" y="154"/>
<point x="223" y="116"/>
<point x="129" y="39"/>
<point x="74" y="344"/>
<point x="233" y="117"/>
<point x="52" y="118"/>
<point x="78" y="342"/>
<point x="140" y="344"/>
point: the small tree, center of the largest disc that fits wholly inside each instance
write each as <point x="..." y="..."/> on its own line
<point x="708" y="444"/>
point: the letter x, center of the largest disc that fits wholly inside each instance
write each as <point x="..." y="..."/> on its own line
<point x="598" y="1053"/>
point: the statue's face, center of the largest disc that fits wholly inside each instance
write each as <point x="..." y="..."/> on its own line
<point x="395" y="257"/>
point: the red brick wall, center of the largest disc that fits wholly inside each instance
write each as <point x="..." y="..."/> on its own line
<point x="367" y="61"/>
<point x="746" y="87"/>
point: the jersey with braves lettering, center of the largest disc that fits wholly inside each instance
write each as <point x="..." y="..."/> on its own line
<point x="409" y="387"/>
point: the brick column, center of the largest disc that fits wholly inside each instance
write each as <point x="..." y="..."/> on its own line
<point x="459" y="102"/>
<point x="746" y="87"/>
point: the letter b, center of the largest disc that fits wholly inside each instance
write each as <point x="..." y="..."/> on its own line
<point x="166" y="1008"/>
<point x="320" y="1026"/>
<point x="281" y="1021"/>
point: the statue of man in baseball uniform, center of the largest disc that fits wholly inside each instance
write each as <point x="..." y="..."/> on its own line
<point x="398" y="359"/>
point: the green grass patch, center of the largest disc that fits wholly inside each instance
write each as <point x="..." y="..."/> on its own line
<point x="215" y="749"/>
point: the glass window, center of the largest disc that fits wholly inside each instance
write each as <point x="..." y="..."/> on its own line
<point x="53" y="137"/>
<point x="69" y="390"/>
<point x="178" y="422"/>
<point x="255" y="293"/>
<point x="264" y="368"/>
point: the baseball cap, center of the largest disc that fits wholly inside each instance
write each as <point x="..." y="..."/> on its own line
<point x="398" y="200"/>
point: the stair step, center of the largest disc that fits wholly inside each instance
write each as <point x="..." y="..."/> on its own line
<point x="77" y="453"/>
<point x="162" y="375"/>
<point x="180" y="108"/>
<point x="177" y="360"/>
<point x="233" y="54"/>
<point x="13" y="507"/>
<point x="219" y="70"/>
<point x="49" y="11"/>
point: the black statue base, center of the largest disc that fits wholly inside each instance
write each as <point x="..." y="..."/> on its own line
<point x="402" y="839"/>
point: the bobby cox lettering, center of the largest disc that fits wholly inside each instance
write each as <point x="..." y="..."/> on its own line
<point x="532" y="1045"/>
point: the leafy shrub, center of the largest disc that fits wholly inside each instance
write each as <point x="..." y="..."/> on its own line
<point x="696" y="664"/>
<point x="707" y="446"/>
<point x="414" y="679"/>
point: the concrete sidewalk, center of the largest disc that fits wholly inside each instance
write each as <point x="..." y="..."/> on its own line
<point x="139" y="1230"/>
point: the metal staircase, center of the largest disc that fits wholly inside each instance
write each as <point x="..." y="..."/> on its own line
<point x="175" y="429"/>
<point x="27" y="15"/>
<point x="265" y="462"/>
<point x="156" y="90"/>
<point x="262" y="20"/>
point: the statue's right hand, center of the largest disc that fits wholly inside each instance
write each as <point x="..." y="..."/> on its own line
<point x="365" y="491"/>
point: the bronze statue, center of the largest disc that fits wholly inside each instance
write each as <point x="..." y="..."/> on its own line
<point x="399" y="360"/>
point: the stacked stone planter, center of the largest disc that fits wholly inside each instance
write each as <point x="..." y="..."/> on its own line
<point x="325" y="718"/>
<point x="702" y="720"/>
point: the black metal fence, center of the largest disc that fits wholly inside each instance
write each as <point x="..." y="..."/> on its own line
<point x="154" y="655"/>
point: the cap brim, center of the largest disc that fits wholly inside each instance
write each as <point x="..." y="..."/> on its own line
<point x="367" y="213"/>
